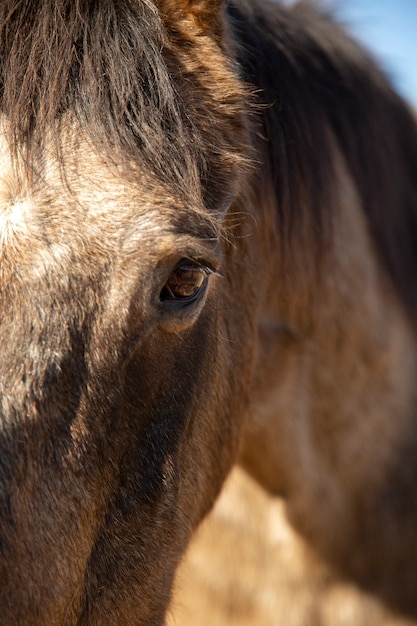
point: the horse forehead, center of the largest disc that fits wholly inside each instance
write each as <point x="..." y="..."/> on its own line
<point x="85" y="202"/>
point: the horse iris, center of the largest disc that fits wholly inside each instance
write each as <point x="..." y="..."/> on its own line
<point x="185" y="281"/>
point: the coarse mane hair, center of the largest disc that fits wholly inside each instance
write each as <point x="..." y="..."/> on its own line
<point x="109" y="64"/>
<point x="111" y="67"/>
<point x="324" y="80"/>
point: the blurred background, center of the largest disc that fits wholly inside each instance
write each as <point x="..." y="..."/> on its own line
<point x="389" y="29"/>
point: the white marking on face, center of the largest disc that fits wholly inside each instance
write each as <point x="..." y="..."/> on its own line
<point x="13" y="221"/>
<point x="15" y="206"/>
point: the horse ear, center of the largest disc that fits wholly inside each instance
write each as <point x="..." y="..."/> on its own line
<point x="204" y="13"/>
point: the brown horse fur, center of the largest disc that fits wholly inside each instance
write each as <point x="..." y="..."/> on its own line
<point x="255" y="140"/>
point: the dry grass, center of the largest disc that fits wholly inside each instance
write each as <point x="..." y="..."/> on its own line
<point x="246" y="567"/>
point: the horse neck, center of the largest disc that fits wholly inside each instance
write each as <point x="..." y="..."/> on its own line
<point x="336" y="369"/>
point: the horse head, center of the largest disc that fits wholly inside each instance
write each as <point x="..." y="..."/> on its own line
<point x="124" y="325"/>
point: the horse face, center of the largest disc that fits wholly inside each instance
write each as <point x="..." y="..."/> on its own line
<point x="120" y="406"/>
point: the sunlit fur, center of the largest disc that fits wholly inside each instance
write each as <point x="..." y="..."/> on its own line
<point x="264" y="144"/>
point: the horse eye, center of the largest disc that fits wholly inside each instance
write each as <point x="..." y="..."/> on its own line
<point x="185" y="282"/>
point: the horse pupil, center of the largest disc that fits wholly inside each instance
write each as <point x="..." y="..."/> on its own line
<point x="185" y="281"/>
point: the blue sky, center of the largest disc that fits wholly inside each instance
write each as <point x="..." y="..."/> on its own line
<point x="389" y="29"/>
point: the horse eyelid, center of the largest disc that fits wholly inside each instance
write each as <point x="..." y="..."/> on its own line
<point x="212" y="271"/>
<point x="207" y="267"/>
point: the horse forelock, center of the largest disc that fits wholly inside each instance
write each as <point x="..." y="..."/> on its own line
<point x="113" y="68"/>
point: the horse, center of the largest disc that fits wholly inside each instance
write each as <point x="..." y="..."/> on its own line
<point x="208" y="226"/>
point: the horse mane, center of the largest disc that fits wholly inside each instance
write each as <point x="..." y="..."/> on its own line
<point x="313" y="78"/>
<point x="89" y="58"/>
<point x="109" y="65"/>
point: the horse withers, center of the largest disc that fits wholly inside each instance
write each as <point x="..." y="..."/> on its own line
<point x="207" y="249"/>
